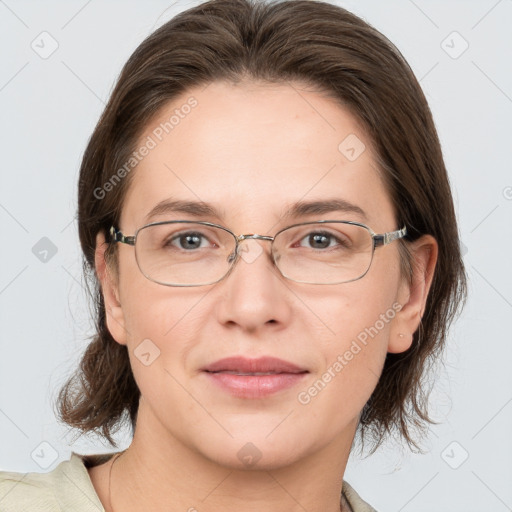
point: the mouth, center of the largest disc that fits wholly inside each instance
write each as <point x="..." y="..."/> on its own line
<point x="254" y="378"/>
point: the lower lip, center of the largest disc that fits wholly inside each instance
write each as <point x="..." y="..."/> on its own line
<point x="255" y="386"/>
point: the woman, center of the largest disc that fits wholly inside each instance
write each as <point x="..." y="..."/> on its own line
<point x="267" y="217"/>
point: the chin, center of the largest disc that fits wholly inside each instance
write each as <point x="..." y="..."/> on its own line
<point x="246" y="452"/>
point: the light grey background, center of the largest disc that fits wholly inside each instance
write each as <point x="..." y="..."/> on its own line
<point x="49" y="107"/>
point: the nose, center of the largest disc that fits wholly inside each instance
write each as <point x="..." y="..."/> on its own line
<point x="254" y="295"/>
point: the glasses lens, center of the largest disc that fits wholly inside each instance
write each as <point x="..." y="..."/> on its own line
<point x="324" y="253"/>
<point x="184" y="253"/>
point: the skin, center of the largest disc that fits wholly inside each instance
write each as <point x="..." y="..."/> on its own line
<point x="252" y="149"/>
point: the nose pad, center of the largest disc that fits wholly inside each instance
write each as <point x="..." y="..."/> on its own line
<point x="249" y="250"/>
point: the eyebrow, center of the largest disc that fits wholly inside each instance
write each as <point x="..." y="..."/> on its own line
<point x="320" y="207"/>
<point x="200" y="209"/>
<point x="194" y="208"/>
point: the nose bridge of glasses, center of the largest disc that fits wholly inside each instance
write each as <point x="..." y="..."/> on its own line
<point x="240" y="238"/>
<point x="250" y="252"/>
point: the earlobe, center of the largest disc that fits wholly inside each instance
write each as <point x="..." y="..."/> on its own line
<point x="110" y="291"/>
<point x="413" y="294"/>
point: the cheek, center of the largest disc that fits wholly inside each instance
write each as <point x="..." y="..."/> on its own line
<point x="358" y="317"/>
<point x="163" y="326"/>
<point x="352" y="364"/>
<point x="161" y="332"/>
<point x="151" y="310"/>
<point x="353" y="310"/>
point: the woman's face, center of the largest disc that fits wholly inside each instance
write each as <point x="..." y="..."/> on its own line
<point x="252" y="152"/>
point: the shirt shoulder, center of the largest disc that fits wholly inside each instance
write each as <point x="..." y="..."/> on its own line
<point x="357" y="504"/>
<point x="67" y="487"/>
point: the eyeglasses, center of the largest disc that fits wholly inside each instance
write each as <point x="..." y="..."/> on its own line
<point x="197" y="253"/>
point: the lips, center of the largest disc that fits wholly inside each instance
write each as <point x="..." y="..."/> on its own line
<point x="253" y="378"/>
<point x="245" y="366"/>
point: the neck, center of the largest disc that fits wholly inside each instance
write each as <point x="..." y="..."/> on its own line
<point x="171" y="476"/>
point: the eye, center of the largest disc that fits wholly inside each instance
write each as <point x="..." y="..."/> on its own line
<point x="324" y="240"/>
<point x="188" y="241"/>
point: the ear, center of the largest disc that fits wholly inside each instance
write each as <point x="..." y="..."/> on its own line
<point x="110" y="290"/>
<point x="412" y="295"/>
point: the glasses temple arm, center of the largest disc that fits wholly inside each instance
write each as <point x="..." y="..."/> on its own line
<point x="387" y="238"/>
<point x="117" y="236"/>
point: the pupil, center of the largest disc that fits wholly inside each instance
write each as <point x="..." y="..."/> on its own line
<point x="319" y="240"/>
<point x="190" y="241"/>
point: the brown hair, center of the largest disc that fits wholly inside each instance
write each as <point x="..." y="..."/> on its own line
<point x="305" y="41"/>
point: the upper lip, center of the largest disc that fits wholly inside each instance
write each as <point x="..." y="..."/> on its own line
<point x="259" y="365"/>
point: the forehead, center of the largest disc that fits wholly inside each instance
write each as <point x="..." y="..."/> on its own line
<point x="251" y="151"/>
